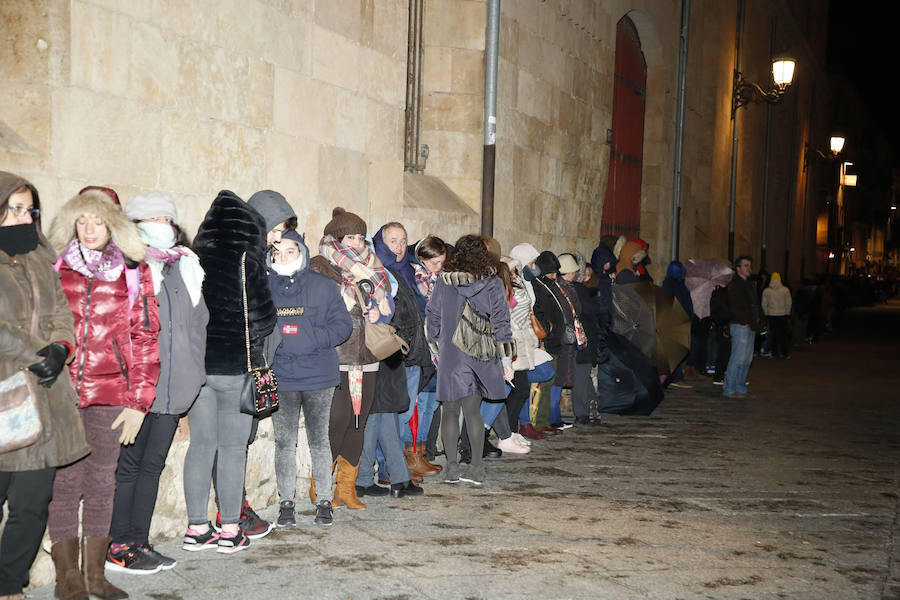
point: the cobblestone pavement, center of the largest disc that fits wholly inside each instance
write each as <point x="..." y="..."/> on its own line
<point x="792" y="493"/>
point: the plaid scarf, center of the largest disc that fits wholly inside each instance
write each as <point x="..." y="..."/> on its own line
<point x="425" y="280"/>
<point x="354" y="267"/>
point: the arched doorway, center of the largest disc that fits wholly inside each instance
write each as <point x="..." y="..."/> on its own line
<point x="622" y="203"/>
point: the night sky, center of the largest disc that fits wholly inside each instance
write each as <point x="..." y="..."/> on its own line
<point x="864" y="44"/>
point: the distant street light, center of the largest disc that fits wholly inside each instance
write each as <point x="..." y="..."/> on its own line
<point x="744" y="91"/>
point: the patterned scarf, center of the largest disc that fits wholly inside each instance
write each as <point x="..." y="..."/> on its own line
<point x="425" y="280"/>
<point x="106" y="265"/>
<point x="354" y="267"/>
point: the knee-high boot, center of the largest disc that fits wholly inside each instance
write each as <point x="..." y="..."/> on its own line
<point x="345" y="485"/>
<point x="69" y="580"/>
<point x="93" y="561"/>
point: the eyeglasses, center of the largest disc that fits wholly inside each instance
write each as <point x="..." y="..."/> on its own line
<point x="19" y="211"/>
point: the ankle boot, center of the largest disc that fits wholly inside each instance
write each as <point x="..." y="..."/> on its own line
<point x="420" y="451"/>
<point x="92" y="563"/>
<point x="345" y="485"/>
<point x="69" y="580"/>
<point x="415" y="462"/>
<point x="312" y="490"/>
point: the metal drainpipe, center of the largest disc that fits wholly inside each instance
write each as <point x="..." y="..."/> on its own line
<point x="679" y="125"/>
<point x="765" y="203"/>
<point x="414" y="153"/>
<point x="492" y="34"/>
<point x="734" y="134"/>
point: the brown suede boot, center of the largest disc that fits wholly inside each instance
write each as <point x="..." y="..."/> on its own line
<point x="420" y="450"/>
<point x="345" y="485"/>
<point x="312" y="490"/>
<point x="93" y="562"/>
<point x="69" y="581"/>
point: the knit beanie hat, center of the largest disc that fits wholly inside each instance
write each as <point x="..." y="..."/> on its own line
<point x="344" y="223"/>
<point x="567" y="264"/>
<point x="776" y="276"/>
<point x="150" y="206"/>
<point x="272" y="206"/>
<point x="547" y="262"/>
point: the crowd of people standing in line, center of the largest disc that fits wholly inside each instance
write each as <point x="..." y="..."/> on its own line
<point x="151" y="327"/>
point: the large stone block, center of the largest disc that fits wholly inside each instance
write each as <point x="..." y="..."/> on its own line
<point x="292" y="168"/>
<point x="455" y="23"/>
<point x="34" y="40"/>
<point x="348" y="107"/>
<point x="382" y="77"/>
<point x="390" y="26"/>
<point x="454" y="154"/>
<point x="153" y="65"/>
<point x="335" y="59"/>
<point x="97" y="136"/>
<point x="100" y="60"/>
<point x="437" y="69"/>
<point x="299" y="108"/>
<point x="25" y="120"/>
<point x="227" y="155"/>
<point x="533" y="96"/>
<point x="385" y="187"/>
<point x="186" y="20"/>
<point x="452" y="112"/>
<point x="343" y="179"/>
<point x="340" y="16"/>
<point x="468" y="71"/>
<point x="384" y="130"/>
<point x="289" y="41"/>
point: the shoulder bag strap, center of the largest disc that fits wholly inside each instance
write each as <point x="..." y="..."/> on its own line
<point x="246" y="316"/>
<point x="546" y="287"/>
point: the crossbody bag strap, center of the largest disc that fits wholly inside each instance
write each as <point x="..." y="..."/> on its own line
<point x="246" y="315"/>
<point x="546" y="287"/>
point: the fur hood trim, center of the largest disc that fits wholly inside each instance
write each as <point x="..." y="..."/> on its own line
<point x="457" y="278"/>
<point x="122" y="230"/>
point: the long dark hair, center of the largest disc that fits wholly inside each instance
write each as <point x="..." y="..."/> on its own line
<point x="472" y="256"/>
<point x="4" y="204"/>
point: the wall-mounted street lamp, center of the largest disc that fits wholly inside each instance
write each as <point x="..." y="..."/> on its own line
<point x="745" y="92"/>
<point x="837" y="144"/>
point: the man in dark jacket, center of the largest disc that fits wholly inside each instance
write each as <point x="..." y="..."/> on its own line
<point x="745" y="322"/>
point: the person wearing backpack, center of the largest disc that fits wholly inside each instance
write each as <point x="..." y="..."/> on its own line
<point x="719" y="318"/>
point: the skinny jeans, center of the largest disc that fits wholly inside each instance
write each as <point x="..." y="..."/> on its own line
<point x="137" y="479"/>
<point x="316" y="406"/>
<point x="382" y="430"/>
<point x="219" y="434"/>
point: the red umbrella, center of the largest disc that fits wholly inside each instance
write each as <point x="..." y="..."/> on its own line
<point x="414" y="425"/>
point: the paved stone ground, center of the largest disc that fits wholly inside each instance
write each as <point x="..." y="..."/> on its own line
<point x="791" y="494"/>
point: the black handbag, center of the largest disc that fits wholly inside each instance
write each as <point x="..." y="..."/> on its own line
<point x="259" y="394"/>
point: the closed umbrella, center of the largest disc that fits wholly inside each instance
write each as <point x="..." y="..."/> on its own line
<point x="672" y="326"/>
<point x="702" y="276"/>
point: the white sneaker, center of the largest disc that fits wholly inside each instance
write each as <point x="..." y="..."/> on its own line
<point x="510" y="446"/>
<point x="521" y="439"/>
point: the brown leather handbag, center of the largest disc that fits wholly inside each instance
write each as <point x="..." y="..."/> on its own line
<point x="539" y="330"/>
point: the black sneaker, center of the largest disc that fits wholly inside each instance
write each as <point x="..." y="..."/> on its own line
<point x="165" y="562"/>
<point x="230" y="544"/>
<point x="324" y="514"/>
<point x="194" y="541"/>
<point x="372" y="490"/>
<point x="286" y="516"/>
<point x="133" y="561"/>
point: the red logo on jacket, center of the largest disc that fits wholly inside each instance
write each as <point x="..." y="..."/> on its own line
<point x="289" y="329"/>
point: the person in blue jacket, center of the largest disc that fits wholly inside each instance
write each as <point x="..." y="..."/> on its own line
<point x="313" y="321"/>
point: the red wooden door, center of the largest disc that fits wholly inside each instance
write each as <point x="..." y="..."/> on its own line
<point x="622" y="204"/>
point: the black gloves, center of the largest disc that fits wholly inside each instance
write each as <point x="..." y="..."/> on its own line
<point x="48" y="370"/>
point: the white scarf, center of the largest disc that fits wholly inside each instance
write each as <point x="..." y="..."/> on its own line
<point x="161" y="239"/>
<point x="288" y="269"/>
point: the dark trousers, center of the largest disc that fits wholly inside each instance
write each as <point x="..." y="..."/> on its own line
<point x="470" y="406"/>
<point x="137" y="479"/>
<point x="345" y="434"/>
<point x="518" y="395"/>
<point x="780" y="334"/>
<point x="29" y="495"/>
<point x="723" y="352"/>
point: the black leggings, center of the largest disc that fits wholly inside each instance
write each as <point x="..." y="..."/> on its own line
<point x="471" y="410"/>
<point x="346" y="438"/>
<point x="517" y="398"/>
<point x="137" y="479"/>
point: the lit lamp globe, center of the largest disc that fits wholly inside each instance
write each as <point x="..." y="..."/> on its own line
<point x="783" y="71"/>
<point x="837" y="144"/>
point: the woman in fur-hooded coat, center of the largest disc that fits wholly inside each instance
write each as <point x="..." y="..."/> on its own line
<point x="115" y="366"/>
<point x="470" y="276"/>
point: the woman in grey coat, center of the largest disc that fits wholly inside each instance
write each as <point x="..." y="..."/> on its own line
<point x="177" y="283"/>
<point x="463" y="381"/>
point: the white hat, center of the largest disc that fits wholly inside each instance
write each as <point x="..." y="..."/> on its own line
<point x="150" y="206"/>
<point x="567" y="264"/>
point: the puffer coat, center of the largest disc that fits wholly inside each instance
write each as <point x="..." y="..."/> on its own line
<point x="116" y="346"/>
<point x="63" y="439"/>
